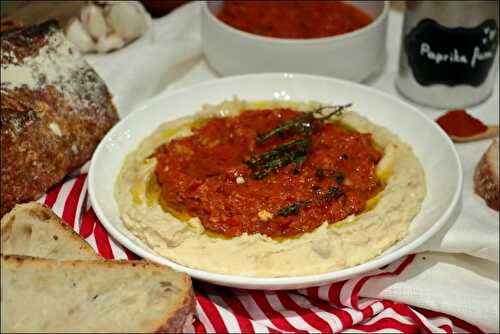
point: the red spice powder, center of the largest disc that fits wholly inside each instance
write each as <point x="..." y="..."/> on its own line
<point x="459" y="123"/>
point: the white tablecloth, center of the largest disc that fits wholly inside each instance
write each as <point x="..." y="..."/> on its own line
<point x="458" y="271"/>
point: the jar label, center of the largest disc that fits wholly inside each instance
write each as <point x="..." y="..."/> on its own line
<point x="451" y="56"/>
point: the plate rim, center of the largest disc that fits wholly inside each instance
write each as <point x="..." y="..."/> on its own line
<point x="272" y="283"/>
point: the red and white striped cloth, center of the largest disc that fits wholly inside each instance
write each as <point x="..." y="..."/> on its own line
<point x="333" y="308"/>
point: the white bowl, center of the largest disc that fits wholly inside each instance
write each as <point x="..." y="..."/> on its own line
<point x="430" y="143"/>
<point x="353" y="56"/>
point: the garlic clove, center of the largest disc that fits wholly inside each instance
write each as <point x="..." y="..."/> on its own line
<point x="109" y="43"/>
<point x="76" y="34"/>
<point x="127" y="19"/>
<point x="92" y="18"/>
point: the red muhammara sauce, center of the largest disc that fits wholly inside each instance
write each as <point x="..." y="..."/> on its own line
<point x="293" y="19"/>
<point x="207" y="175"/>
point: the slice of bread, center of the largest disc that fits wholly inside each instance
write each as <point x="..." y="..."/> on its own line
<point x="33" y="229"/>
<point x="46" y="295"/>
<point x="44" y="291"/>
<point x="486" y="182"/>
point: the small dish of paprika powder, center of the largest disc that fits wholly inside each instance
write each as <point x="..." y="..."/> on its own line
<point x="462" y="127"/>
<point x="343" y="39"/>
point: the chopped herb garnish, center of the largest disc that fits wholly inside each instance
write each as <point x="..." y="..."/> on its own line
<point x="332" y="174"/>
<point x="292" y="152"/>
<point x="294" y="208"/>
<point x="291" y="209"/>
<point x="332" y="193"/>
<point x="302" y="124"/>
<point x="281" y="155"/>
<point x="320" y="172"/>
<point x="339" y="177"/>
<point x="305" y="124"/>
<point x="298" y="164"/>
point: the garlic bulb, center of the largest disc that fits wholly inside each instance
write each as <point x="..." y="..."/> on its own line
<point x="107" y="25"/>
<point x="127" y="19"/>
<point x="77" y="35"/>
<point x="93" y="20"/>
<point x="109" y="42"/>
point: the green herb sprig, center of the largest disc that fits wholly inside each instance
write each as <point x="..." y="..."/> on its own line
<point x="305" y="124"/>
<point x="292" y="152"/>
<point x="338" y="176"/>
<point x="294" y="208"/>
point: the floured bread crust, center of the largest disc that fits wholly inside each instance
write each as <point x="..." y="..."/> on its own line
<point x="54" y="111"/>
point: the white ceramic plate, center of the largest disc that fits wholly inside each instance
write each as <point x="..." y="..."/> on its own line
<point x="430" y="143"/>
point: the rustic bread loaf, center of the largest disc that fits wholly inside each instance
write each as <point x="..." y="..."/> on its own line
<point x="54" y="111"/>
<point x="486" y="182"/>
<point x="46" y="295"/>
<point x="33" y="229"/>
<point x="10" y="25"/>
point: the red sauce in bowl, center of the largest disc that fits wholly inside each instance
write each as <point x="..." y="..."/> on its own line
<point x="293" y="19"/>
<point x="205" y="175"/>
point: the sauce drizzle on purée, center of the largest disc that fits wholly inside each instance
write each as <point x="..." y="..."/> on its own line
<point x="205" y="175"/>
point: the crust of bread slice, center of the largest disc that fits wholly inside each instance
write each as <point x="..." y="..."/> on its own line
<point x="47" y="295"/>
<point x="486" y="181"/>
<point x="33" y="229"/>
